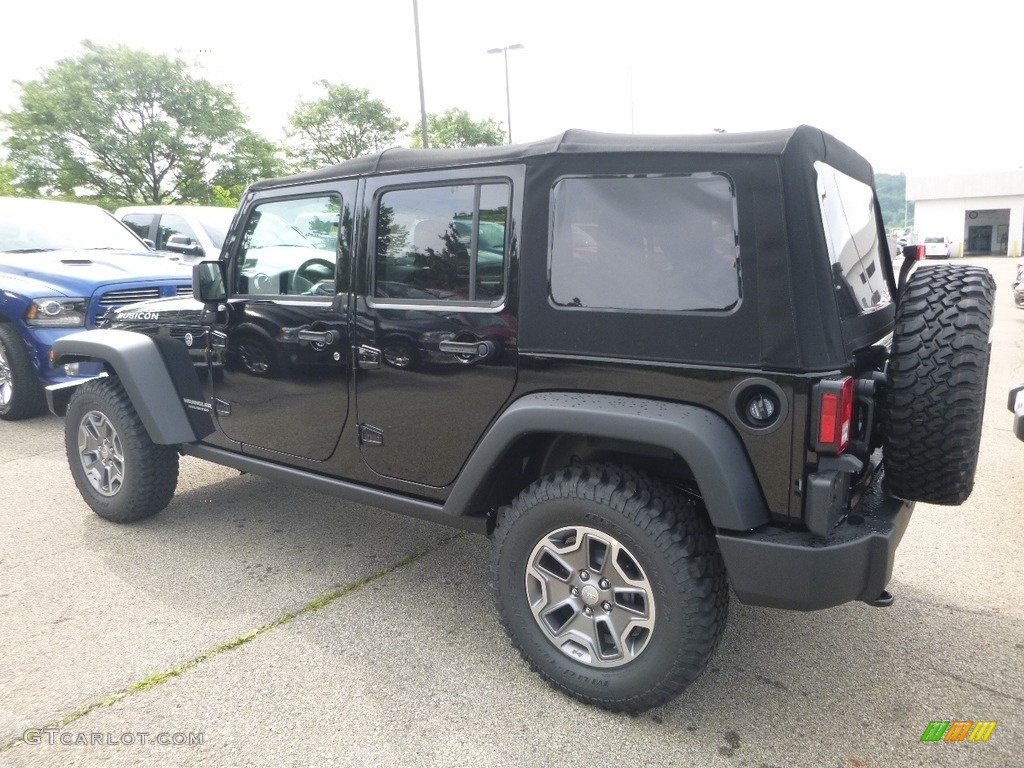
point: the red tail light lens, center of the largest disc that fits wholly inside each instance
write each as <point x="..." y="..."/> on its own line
<point x="834" y="407"/>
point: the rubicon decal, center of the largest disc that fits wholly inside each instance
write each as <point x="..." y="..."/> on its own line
<point x="138" y="315"/>
<point x="958" y="730"/>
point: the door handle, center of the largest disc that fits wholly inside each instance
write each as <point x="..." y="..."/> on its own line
<point x="479" y="349"/>
<point x="320" y="337"/>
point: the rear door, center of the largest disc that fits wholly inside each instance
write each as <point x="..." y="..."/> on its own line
<point x="436" y="326"/>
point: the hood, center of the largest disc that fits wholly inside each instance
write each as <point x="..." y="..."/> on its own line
<point x="75" y="273"/>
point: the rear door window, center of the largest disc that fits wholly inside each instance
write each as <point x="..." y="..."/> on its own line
<point x="443" y="243"/>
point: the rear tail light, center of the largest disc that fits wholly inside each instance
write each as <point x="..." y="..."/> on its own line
<point x="833" y="414"/>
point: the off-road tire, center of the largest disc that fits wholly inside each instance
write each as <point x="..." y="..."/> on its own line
<point x="935" y="383"/>
<point x="22" y="395"/>
<point x="149" y="471"/>
<point x="671" y="539"/>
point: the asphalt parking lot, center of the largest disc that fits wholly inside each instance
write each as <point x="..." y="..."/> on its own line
<point x="254" y="624"/>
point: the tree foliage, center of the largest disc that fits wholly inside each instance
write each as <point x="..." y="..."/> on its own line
<point x="455" y="128"/>
<point x="126" y="125"/>
<point x="7" y="188"/>
<point x="345" y="123"/>
<point x="892" y="197"/>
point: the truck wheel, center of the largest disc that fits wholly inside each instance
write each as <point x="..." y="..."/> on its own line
<point x="610" y="584"/>
<point x="119" y="471"/>
<point x="935" y="387"/>
<point x="21" y="394"/>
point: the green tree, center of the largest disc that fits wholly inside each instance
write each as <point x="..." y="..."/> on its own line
<point x="455" y="128"/>
<point x="7" y="188"/>
<point x="119" y="124"/>
<point x="345" y="123"/>
<point x="892" y="199"/>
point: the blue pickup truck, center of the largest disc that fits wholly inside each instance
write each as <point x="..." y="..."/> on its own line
<point x="62" y="267"/>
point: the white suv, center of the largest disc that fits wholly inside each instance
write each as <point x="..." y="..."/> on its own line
<point x="195" y="231"/>
<point x="938" y="247"/>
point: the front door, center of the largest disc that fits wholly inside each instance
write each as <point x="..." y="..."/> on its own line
<point x="281" y="346"/>
<point x="435" y="320"/>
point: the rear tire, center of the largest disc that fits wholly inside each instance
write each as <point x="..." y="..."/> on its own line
<point x="610" y="584"/>
<point x="21" y="394"/>
<point x="935" y="390"/>
<point x="122" y="474"/>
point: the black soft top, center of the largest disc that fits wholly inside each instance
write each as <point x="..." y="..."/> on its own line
<point x="803" y="141"/>
<point x="788" y="317"/>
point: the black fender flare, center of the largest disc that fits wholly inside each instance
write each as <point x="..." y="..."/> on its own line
<point x="157" y="375"/>
<point x="702" y="438"/>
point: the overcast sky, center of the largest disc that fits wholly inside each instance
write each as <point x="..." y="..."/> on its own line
<point x="918" y="87"/>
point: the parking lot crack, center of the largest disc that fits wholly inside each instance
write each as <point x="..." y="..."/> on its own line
<point x="157" y="678"/>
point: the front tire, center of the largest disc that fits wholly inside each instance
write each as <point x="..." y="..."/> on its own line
<point x="610" y="584"/>
<point x="21" y="394"/>
<point x="121" y="473"/>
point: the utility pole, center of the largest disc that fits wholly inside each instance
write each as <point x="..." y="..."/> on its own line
<point x="419" y="68"/>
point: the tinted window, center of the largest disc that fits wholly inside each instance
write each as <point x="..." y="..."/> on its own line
<point x="289" y="248"/>
<point x="645" y="243"/>
<point x="851" y="232"/>
<point x="442" y="243"/>
<point x="138" y="223"/>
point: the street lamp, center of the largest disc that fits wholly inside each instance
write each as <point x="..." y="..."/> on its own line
<point x="419" y="68"/>
<point x="508" y="100"/>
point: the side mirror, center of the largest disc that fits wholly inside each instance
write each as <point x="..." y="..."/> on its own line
<point x="183" y="244"/>
<point x="209" y="282"/>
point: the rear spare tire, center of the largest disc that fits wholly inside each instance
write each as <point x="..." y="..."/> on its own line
<point x="935" y="389"/>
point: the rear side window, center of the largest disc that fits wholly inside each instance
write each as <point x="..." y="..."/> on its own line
<point x="445" y="243"/>
<point x="851" y="232"/>
<point x="665" y="243"/>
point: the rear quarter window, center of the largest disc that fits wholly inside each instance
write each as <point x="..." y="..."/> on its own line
<point x="645" y="243"/>
<point x="852" y="236"/>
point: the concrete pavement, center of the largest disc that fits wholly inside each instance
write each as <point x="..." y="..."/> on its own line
<point x="253" y="624"/>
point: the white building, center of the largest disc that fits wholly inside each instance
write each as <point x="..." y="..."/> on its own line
<point x="982" y="213"/>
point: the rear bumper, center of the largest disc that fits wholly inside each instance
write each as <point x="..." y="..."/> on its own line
<point x="798" y="570"/>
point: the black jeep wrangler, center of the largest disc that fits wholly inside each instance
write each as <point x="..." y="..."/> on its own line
<point x="649" y="368"/>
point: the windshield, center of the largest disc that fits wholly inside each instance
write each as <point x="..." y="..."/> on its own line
<point x="36" y="225"/>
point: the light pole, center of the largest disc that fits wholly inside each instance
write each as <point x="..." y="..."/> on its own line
<point x="419" y="68"/>
<point x="508" y="99"/>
